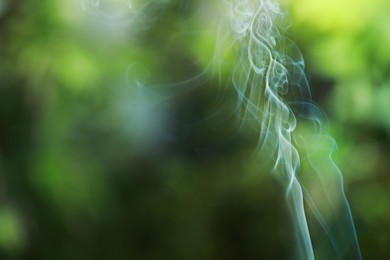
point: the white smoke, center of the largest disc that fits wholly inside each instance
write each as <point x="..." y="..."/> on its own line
<point x="273" y="93"/>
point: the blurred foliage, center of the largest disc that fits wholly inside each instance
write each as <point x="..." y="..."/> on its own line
<point x="102" y="157"/>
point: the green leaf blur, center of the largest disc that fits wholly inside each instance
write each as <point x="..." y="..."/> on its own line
<point x="118" y="138"/>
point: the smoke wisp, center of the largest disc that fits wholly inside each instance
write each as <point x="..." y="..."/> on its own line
<point x="274" y="97"/>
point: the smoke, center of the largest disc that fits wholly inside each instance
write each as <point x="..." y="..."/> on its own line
<point x="119" y="11"/>
<point x="117" y="20"/>
<point x="274" y="97"/>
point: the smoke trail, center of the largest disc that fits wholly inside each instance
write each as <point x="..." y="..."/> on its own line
<point x="111" y="10"/>
<point x="273" y="94"/>
<point x="117" y="19"/>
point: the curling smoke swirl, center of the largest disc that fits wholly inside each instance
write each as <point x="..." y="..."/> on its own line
<point x="273" y="93"/>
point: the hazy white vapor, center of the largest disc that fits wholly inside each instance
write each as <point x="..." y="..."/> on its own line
<point x="273" y="94"/>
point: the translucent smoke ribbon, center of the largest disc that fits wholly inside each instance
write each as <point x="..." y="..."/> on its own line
<point x="274" y="95"/>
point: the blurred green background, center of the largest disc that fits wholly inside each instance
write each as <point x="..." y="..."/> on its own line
<point x="102" y="157"/>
